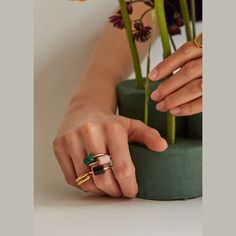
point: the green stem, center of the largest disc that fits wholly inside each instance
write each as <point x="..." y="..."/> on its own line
<point x="147" y="85"/>
<point x="160" y="13"/>
<point x="132" y="45"/>
<point x="185" y="14"/>
<point x="193" y="17"/>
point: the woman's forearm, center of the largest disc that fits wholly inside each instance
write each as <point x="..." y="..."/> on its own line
<point x="109" y="63"/>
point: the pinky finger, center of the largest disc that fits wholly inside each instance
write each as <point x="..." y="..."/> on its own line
<point x="65" y="162"/>
<point x="188" y="109"/>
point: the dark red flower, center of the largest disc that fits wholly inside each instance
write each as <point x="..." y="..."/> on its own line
<point x="174" y="29"/>
<point x="178" y="19"/>
<point x="117" y="21"/>
<point x="138" y="25"/>
<point x="141" y="33"/>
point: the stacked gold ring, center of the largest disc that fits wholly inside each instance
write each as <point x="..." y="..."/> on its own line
<point x="98" y="163"/>
<point x="85" y="177"/>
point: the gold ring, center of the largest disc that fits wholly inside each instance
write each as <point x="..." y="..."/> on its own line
<point x="198" y="40"/>
<point x="85" y="177"/>
<point x="98" y="155"/>
<point x="93" y="163"/>
<point x="83" y="180"/>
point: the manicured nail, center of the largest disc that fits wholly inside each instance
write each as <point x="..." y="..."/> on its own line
<point x="175" y="111"/>
<point x="166" y="144"/>
<point x="155" y="95"/>
<point x="160" y="106"/>
<point x="153" y="74"/>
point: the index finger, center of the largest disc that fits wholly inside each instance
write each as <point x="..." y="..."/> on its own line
<point x="185" y="53"/>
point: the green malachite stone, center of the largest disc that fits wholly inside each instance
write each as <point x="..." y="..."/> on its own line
<point x="89" y="159"/>
<point x="98" y="170"/>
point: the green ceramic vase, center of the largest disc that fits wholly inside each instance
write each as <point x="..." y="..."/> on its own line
<point x="175" y="173"/>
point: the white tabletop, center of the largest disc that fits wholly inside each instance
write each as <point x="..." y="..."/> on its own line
<point x="62" y="211"/>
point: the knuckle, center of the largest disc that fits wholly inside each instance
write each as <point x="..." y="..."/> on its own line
<point x="161" y="89"/>
<point x="139" y="123"/>
<point x="71" y="137"/>
<point x="186" y="48"/>
<point x="113" y="127"/>
<point x="87" y="128"/>
<point x="57" y="145"/>
<point x="188" y="69"/>
<point x="169" y="102"/>
<point x="103" y="182"/>
<point x="124" y="171"/>
<point x="196" y="86"/>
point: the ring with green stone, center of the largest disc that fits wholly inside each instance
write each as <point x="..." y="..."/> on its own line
<point x="90" y="158"/>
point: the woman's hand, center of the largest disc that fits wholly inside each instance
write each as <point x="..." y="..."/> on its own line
<point x="89" y="130"/>
<point x="181" y="93"/>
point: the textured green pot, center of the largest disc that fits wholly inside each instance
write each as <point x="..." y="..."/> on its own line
<point x="131" y="104"/>
<point x="195" y="126"/>
<point x="175" y="173"/>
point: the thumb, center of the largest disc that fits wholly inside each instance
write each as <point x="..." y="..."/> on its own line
<point x="142" y="133"/>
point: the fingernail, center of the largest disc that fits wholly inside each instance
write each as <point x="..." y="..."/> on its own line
<point x="153" y="74"/>
<point x="166" y="144"/>
<point x="160" y="106"/>
<point x="155" y="95"/>
<point x="175" y="111"/>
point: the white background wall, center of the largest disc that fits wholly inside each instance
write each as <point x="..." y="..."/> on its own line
<point x="65" y="33"/>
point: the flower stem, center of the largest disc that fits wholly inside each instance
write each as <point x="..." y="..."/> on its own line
<point x="185" y="13"/>
<point x="147" y="85"/>
<point x="172" y="42"/>
<point x="193" y="17"/>
<point x="149" y="9"/>
<point x="160" y="13"/>
<point x="132" y="45"/>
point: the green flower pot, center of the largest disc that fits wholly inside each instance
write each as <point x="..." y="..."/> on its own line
<point x="175" y="173"/>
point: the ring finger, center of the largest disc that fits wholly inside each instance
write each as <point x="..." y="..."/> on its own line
<point x="94" y="142"/>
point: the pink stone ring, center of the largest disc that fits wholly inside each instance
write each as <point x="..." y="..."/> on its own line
<point x="101" y="160"/>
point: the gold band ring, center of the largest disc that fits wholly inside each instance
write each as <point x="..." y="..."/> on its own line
<point x="85" y="177"/>
<point x="83" y="180"/>
<point x="198" y="40"/>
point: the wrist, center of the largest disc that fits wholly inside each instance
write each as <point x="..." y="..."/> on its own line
<point x="90" y="104"/>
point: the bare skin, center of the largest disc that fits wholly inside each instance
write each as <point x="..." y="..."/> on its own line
<point x="181" y="94"/>
<point x="91" y="125"/>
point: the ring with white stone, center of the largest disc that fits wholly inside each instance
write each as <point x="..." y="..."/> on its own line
<point x="101" y="160"/>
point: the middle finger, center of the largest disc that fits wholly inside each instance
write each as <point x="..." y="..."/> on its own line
<point x="186" y="94"/>
<point x="94" y="142"/>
